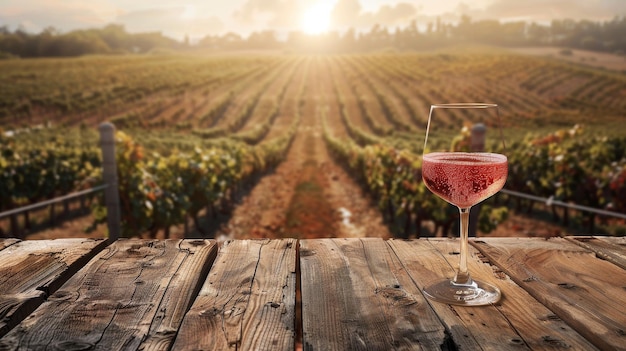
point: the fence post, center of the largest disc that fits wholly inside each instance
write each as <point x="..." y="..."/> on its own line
<point x="478" y="137"/>
<point x="109" y="173"/>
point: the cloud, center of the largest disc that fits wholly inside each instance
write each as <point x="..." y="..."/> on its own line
<point x="286" y="14"/>
<point x="545" y="10"/>
<point x="348" y="13"/>
<point x="198" y="18"/>
<point x="277" y="14"/>
<point x="251" y="7"/>
<point x="400" y="14"/>
<point x="36" y="15"/>
<point x="177" y="21"/>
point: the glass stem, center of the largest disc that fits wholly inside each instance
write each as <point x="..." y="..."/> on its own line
<point x="462" y="276"/>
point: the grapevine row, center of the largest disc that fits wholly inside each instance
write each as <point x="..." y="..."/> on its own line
<point x="393" y="177"/>
<point x="38" y="165"/>
<point x="157" y="192"/>
<point x="387" y="106"/>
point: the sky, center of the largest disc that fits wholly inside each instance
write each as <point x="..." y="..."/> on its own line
<point x="198" y="18"/>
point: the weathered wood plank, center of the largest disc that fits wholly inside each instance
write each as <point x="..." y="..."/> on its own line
<point x="132" y="296"/>
<point x="4" y="243"/>
<point x="584" y="291"/>
<point x="247" y="301"/>
<point x="30" y="270"/>
<point x="356" y="295"/>
<point x="517" y="322"/>
<point x="612" y="249"/>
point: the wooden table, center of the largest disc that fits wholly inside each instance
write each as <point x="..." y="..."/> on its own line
<point x="322" y="294"/>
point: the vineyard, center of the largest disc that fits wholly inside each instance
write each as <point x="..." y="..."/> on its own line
<point x="280" y="145"/>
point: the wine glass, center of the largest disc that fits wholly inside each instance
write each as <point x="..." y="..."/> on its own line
<point x="463" y="170"/>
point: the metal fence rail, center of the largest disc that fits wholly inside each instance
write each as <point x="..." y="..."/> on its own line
<point x="550" y="201"/>
<point x="54" y="201"/>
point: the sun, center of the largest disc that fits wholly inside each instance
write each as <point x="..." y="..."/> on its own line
<point x="316" y="18"/>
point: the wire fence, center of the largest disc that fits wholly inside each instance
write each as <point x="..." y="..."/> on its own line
<point x="111" y="194"/>
<point x="110" y="189"/>
<point x="552" y="202"/>
<point x="56" y="200"/>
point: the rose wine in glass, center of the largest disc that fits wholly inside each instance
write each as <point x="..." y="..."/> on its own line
<point x="463" y="175"/>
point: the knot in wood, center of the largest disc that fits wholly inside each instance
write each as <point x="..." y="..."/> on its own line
<point x="306" y="252"/>
<point x="62" y="295"/>
<point x="552" y="341"/>
<point x="567" y="286"/>
<point x="72" y="345"/>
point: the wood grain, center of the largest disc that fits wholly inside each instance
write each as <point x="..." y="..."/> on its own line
<point x="517" y="322"/>
<point x="131" y="296"/>
<point x="4" y="243"/>
<point x="612" y="249"/>
<point x="561" y="293"/>
<point x="356" y="295"/>
<point x="247" y="301"/>
<point x="584" y="291"/>
<point x="31" y="270"/>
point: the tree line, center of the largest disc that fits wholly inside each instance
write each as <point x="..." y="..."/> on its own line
<point x="606" y="36"/>
<point x="112" y="39"/>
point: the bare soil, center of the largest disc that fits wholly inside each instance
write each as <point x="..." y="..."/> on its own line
<point x="309" y="195"/>
<point x="519" y="225"/>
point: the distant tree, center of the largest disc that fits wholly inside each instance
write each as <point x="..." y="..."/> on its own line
<point x="208" y="41"/>
<point x="348" y="42"/>
<point x="115" y="36"/>
<point x="231" y="41"/>
<point x="512" y="33"/>
<point x="464" y="28"/>
<point x="144" y="42"/>
<point x="263" y="40"/>
<point x="10" y="43"/>
<point x="538" y="34"/>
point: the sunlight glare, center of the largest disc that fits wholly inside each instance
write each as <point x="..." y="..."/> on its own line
<point x="189" y="12"/>
<point x="316" y="19"/>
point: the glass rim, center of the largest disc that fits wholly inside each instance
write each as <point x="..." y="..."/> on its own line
<point x="464" y="105"/>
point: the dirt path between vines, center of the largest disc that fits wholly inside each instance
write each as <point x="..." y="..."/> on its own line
<point x="308" y="195"/>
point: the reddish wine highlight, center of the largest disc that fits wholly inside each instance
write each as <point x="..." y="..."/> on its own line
<point x="464" y="179"/>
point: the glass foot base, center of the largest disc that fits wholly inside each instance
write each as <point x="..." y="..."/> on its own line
<point x="475" y="294"/>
